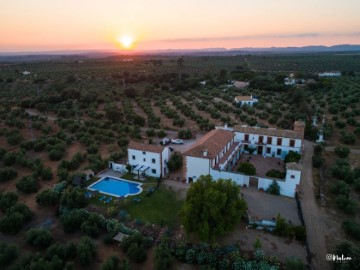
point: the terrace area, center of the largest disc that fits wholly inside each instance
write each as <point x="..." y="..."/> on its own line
<point x="261" y="163"/>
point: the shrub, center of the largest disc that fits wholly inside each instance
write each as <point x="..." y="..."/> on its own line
<point x="346" y="204"/>
<point x="357" y="184"/>
<point x="73" y="198"/>
<point x="39" y="238"/>
<point x="48" y="197"/>
<point x="247" y="168"/>
<point x="342" y="151"/>
<point x="16" y="216"/>
<point x="292" y="157"/>
<point x="46" y="174"/>
<point x="8" y="253"/>
<point x="293" y="263"/>
<point x="7" y="174"/>
<point x="274" y="188"/>
<point x="185" y="134"/>
<point x="352" y="228"/>
<point x="15" y="139"/>
<point x="340" y="187"/>
<point x="135" y="246"/>
<point x="175" y="162"/>
<point x="348" y="138"/>
<point x="28" y="184"/>
<point x="72" y="220"/>
<point x="163" y="257"/>
<point x="150" y="132"/>
<point x="137" y="253"/>
<point x="276" y="174"/>
<point x="348" y="250"/>
<point x="9" y="158"/>
<point x="7" y="200"/>
<point x="161" y="133"/>
<point x="113" y="263"/>
<point x="56" y="154"/>
<point x="86" y="251"/>
<point x="123" y="142"/>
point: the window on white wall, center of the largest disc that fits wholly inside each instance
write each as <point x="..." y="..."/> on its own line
<point x="153" y="160"/>
<point x="278" y="152"/>
<point x="144" y="159"/>
<point x="292" y="176"/>
<point x="153" y="171"/>
<point x="144" y="153"/>
<point x="133" y="157"/>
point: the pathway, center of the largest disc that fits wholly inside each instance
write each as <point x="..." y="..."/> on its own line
<point x="313" y="214"/>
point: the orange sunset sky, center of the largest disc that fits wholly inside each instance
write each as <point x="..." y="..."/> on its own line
<point x="40" y="25"/>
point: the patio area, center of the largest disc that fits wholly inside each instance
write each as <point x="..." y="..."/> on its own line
<point x="265" y="206"/>
<point x="262" y="164"/>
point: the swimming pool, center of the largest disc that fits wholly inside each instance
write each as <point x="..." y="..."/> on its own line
<point x="116" y="187"/>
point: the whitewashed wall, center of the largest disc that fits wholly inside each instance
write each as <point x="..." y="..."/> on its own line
<point x="139" y="160"/>
<point x="195" y="167"/>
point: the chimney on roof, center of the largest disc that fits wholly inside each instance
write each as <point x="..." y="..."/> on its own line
<point x="225" y="126"/>
<point x="205" y="152"/>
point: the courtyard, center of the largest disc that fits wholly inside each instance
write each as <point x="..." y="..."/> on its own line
<point x="261" y="163"/>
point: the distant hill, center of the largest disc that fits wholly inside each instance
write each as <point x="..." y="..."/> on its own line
<point x="51" y="55"/>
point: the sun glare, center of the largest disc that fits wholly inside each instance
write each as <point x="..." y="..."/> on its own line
<point x="126" y="42"/>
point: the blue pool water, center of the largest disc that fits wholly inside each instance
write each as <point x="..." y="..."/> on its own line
<point x="116" y="187"/>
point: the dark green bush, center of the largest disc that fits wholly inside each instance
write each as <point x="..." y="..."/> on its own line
<point x="352" y="228"/>
<point x="39" y="238"/>
<point x="28" y="184"/>
<point x="7" y="174"/>
<point x="8" y="253"/>
<point x="247" y="168"/>
<point x="7" y="200"/>
<point x="346" y="204"/>
<point x="274" y="188"/>
<point x="342" y="151"/>
<point x="48" y="197"/>
<point x="276" y="174"/>
<point x="292" y="157"/>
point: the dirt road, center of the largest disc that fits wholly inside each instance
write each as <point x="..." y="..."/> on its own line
<point x="314" y="216"/>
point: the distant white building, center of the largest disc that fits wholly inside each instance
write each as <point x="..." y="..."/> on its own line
<point x="240" y="84"/>
<point x="246" y="100"/>
<point x="220" y="149"/>
<point x="148" y="159"/>
<point x="26" y="72"/>
<point x="330" y="74"/>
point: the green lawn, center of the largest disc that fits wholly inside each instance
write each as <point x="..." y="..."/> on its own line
<point x="160" y="208"/>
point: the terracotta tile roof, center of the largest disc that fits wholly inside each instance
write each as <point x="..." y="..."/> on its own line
<point x="213" y="142"/>
<point x="293" y="166"/>
<point x="244" y="98"/>
<point x="269" y="132"/>
<point x="146" y="147"/>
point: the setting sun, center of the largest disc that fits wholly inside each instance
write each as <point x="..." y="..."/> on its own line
<point x="126" y="42"/>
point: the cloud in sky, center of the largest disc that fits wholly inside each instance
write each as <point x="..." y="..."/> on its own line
<point x="265" y="36"/>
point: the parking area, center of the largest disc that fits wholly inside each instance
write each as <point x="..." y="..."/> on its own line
<point x="180" y="147"/>
<point x="265" y="206"/>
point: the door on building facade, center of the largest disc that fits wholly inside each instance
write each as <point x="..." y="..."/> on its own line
<point x="253" y="182"/>
<point x="260" y="150"/>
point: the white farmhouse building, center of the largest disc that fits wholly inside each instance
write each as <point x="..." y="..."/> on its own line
<point x="330" y="74"/>
<point x="270" y="142"/>
<point x="246" y="100"/>
<point x="148" y="159"/>
<point x="219" y="150"/>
